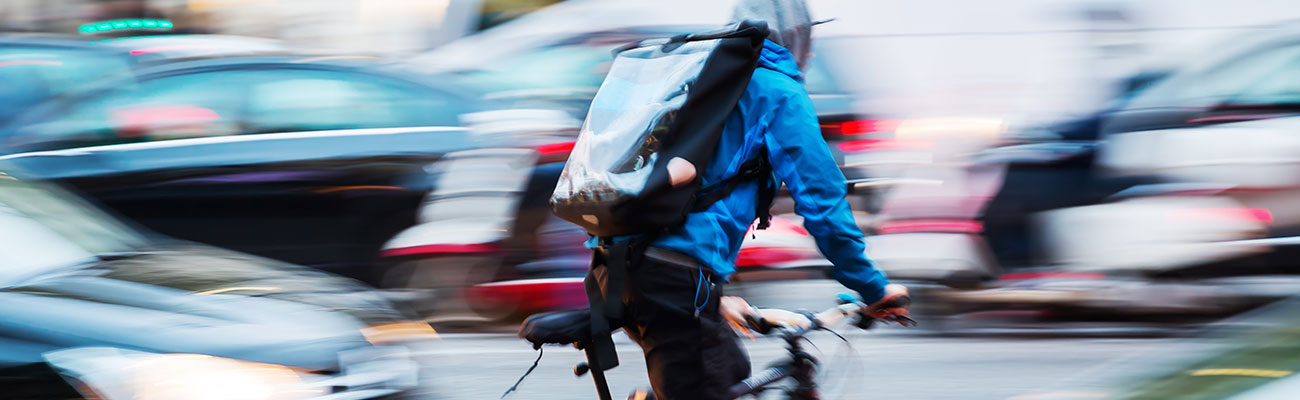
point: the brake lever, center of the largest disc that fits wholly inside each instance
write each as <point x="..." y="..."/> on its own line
<point x="758" y="323"/>
<point x="865" y="321"/>
<point x="904" y="320"/>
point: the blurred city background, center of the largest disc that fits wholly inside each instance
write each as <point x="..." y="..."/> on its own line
<point x="308" y="198"/>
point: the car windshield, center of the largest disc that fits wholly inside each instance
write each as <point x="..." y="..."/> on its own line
<point x="34" y="74"/>
<point x="1254" y="71"/>
<point x="43" y="230"/>
<point x="196" y="103"/>
<point x="817" y="76"/>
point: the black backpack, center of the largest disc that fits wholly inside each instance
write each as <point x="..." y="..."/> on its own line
<point x="663" y="99"/>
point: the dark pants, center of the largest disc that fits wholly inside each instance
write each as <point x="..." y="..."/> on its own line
<point x="688" y="357"/>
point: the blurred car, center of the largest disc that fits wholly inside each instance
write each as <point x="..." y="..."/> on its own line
<point x="308" y="160"/>
<point x="38" y="68"/>
<point x="1157" y="200"/>
<point x="568" y="67"/>
<point x="1240" y="185"/>
<point x="1173" y="255"/>
<point x="1248" y="78"/>
<point x="97" y="309"/>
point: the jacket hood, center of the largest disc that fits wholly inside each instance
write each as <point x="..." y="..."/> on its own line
<point x="788" y="22"/>
<point x="777" y="58"/>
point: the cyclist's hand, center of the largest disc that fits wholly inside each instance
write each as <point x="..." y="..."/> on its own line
<point x="734" y="309"/>
<point x="888" y="307"/>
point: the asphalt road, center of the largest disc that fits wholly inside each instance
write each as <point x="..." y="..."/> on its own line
<point x="892" y="363"/>
<point x="884" y="364"/>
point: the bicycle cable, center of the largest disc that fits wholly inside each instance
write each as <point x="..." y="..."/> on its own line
<point x="521" y="379"/>
<point x="837" y="334"/>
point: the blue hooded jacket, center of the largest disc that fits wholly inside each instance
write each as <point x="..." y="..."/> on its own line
<point x="775" y="115"/>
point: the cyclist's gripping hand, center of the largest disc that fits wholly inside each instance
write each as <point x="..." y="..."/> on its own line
<point x="734" y="309"/>
<point x="892" y="304"/>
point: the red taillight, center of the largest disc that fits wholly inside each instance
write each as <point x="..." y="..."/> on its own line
<point x="932" y="226"/>
<point x="860" y="127"/>
<point x="441" y="249"/>
<point x="1262" y="215"/>
<point x="854" y="146"/>
<point x="555" y="148"/>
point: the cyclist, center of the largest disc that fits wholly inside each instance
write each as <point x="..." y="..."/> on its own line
<point x="672" y="302"/>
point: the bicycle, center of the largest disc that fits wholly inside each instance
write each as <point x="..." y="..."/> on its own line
<point x="573" y="327"/>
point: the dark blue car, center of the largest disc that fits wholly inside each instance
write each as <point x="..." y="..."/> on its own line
<point x="313" y="160"/>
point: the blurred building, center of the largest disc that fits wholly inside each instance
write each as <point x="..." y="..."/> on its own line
<point x="42" y="15"/>
<point x="368" y="26"/>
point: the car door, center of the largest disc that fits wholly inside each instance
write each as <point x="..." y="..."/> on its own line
<point x="307" y="165"/>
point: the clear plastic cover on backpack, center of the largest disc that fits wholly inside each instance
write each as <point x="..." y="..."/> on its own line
<point x="619" y="141"/>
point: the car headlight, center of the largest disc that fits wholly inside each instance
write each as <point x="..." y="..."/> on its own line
<point x="196" y="376"/>
<point x="116" y="374"/>
<point x="399" y="332"/>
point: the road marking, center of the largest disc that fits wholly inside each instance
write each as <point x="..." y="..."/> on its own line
<point x="1251" y="372"/>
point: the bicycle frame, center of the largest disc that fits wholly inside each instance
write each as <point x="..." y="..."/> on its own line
<point x="800" y="366"/>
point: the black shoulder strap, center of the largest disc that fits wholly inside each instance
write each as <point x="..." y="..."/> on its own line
<point x="755" y="169"/>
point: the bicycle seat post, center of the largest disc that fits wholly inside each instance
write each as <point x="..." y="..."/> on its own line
<point x="597" y="375"/>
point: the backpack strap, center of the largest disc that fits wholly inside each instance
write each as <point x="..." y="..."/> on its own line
<point x="744" y="29"/>
<point x="756" y="168"/>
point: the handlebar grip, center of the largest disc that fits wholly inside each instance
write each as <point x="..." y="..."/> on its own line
<point x="865" y="322"/>
<point x="897" y="302"/>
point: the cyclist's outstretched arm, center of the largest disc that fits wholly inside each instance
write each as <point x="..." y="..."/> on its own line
<point x="799" y="157"/>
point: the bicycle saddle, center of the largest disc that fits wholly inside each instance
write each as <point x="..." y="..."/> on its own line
<point x="558" y="327"/>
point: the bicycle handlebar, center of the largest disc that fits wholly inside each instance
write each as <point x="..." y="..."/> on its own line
<point x="798" y="323"/>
